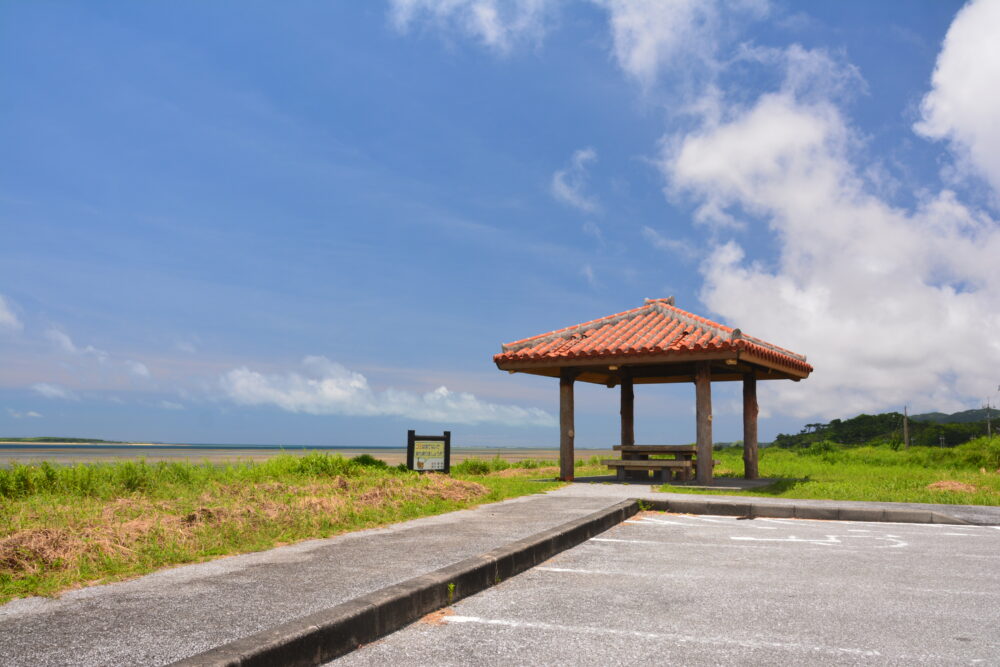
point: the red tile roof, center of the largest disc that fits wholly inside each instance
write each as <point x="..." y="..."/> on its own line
<point x="658" y="328"/>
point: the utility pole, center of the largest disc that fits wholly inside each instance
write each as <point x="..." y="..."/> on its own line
<point x="989" y="421"/>
<point x="906" y="427"/>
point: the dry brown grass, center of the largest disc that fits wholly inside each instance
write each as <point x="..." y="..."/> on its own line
<point x="30" y="550"/>
<point x="953" y="486"/>
<point x="521" y="472"/>
<point x="116" y="528"/>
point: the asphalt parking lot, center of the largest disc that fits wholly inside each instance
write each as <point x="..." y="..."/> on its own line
<point x="682" y="589"/>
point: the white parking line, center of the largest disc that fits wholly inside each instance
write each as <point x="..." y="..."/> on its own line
<point x="753" y="643"/>
<point x="617" y="573"/>
<point x="712" y="520"/>
<point x="830" y="540"/>
<point x="611" y="539"/>
<point x="716" y="524"/>
<point x="659" y="521"/>
<point x="710" y="545"/>
<point x="941" y="591"/>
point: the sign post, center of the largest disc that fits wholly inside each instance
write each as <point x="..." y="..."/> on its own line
<point x="428" y="452"/>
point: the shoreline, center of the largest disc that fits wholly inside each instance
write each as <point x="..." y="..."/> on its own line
<point x="12" y="453"/>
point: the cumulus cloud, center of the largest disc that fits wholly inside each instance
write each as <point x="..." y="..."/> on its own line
<point x="892" y="305"/>
<point x="49" y="390"/>
<point x="498" y="24"/>
<point x="8" y="320"/>
<point x="327" y="388"/>
<point x="568" y="184"/>
<point x="963" y="105"/>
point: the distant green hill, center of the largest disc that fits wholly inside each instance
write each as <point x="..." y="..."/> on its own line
<point x="926" y="430"/>
<point x="963" y="417"/>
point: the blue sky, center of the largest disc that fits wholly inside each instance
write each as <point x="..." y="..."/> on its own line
<point x="297" y="222"/>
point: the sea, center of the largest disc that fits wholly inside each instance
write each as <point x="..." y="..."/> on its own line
<point x="12" y="453"/>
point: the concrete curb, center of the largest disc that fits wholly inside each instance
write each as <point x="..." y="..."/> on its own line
<point x="330" y="633"/>
<point x="826" y="513"/>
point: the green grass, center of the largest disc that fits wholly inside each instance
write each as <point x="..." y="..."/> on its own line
<point x="526" y="467"/>
<point x="63" y="527"/>
<point x="835" y="472"/>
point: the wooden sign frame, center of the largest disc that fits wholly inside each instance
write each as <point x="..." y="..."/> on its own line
<point x="412" y="443"/>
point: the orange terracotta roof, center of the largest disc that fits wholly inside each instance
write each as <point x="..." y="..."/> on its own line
<point x="657" y="328"/>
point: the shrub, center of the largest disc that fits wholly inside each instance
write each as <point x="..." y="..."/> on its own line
<point x="370" y="461"/>
<point x="472" y="467"/>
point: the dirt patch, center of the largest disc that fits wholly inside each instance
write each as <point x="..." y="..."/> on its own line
<point x="520" y="472"/>
<point x="207" y="515"/>
<point x="453" y="489"/>
<point x="951" y="485"/>
<point x="437" y="617"/>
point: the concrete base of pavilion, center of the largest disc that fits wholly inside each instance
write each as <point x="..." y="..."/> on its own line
<point x="717" y="483"/>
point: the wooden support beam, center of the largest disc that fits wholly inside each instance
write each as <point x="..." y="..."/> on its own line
<point x="703" y="410"/>
<point x="566" y="427"/>
<point x="750" y="426"/>
<point x="627" y="410"/>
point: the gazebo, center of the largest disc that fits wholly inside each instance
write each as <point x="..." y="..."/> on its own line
<point x="656" y="343"/>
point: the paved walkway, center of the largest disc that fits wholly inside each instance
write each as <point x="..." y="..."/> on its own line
<point x="179" y="612"/>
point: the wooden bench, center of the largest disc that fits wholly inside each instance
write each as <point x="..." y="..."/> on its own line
<point x="662" y="467"/>
<point x="636" y="464"/>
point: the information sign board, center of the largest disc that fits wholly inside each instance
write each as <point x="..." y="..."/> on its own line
<point x="428" y="452"/>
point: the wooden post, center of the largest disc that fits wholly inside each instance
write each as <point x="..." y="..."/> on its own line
<point x="906" y="428"/>
<point x="703" y="410"/>
<point x="750" y="426"/>
<point x="566" y="428"/>
<point x="627" y="410"/>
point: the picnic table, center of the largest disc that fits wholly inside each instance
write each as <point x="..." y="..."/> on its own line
<point x="636" y="463"/>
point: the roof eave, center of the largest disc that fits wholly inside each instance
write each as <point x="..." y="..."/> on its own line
<point x="545" y="365"/>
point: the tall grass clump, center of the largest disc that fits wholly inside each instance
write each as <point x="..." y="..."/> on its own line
<point x="477" y="466"/>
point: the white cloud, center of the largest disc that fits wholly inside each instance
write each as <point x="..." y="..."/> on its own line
<point x="963" y="105"/>
<point x="186" y="346"/>
<point x="892" y="306"/>
<point x="63" y="341"/>
<point x="30" y="414"/>
<point x="498" y="24"/>
<point x="650" y="34"/>
<point x="49" y="390"/>
<point x="8" y="320"/>
<point x="137" y="368"/>
<point x="588" y="273"/>
<point x="679" y="247"/>
<point x="170" y="405"/>
<point x="568" y="184"/>
<point x="327" y="388"/>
